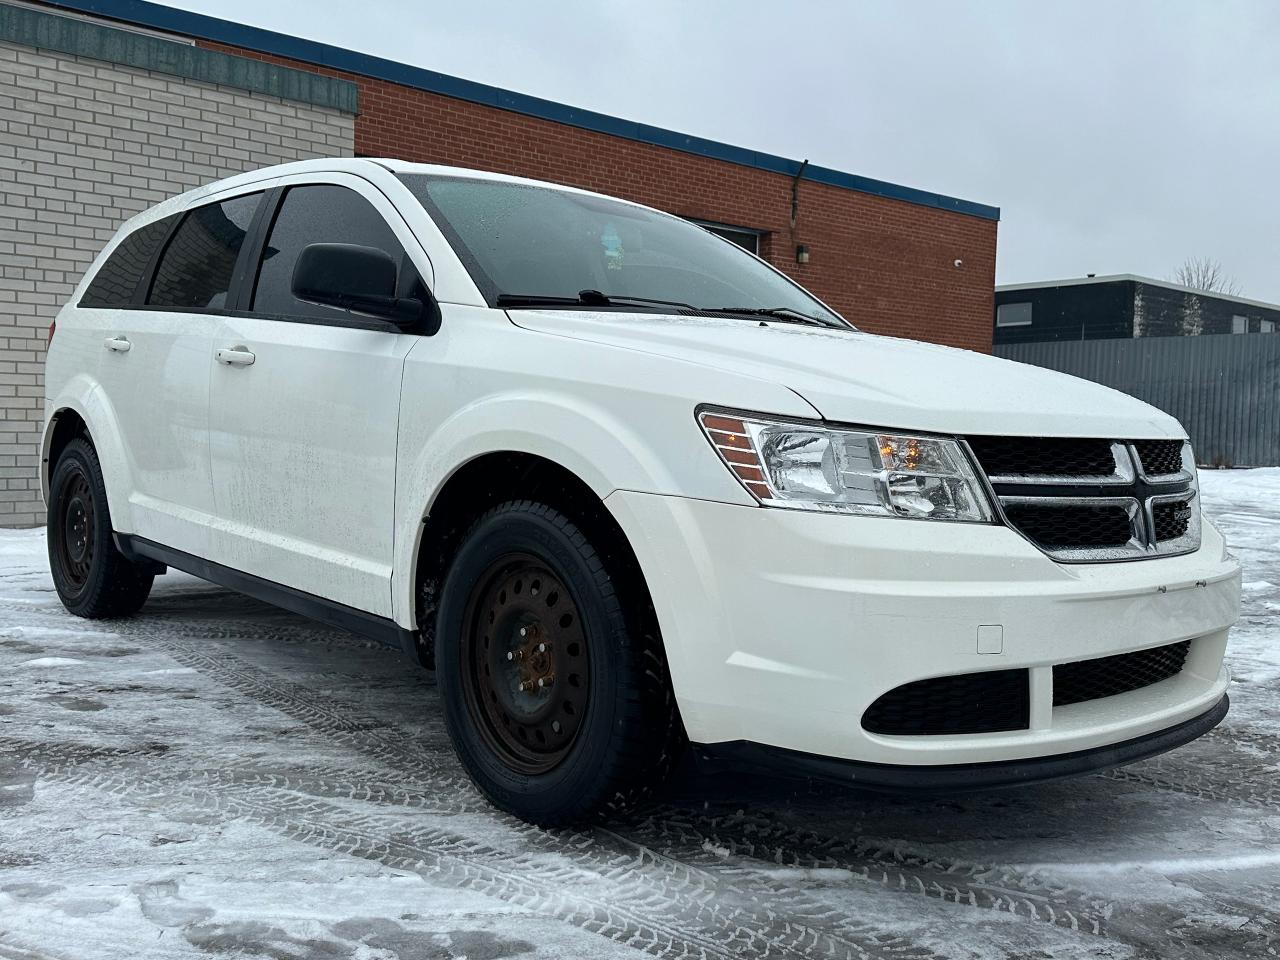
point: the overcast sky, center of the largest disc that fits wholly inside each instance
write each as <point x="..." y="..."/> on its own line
<point x="1116" y="137"/>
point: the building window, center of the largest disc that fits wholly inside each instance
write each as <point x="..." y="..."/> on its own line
<point x="744" y="237"/>
<point x="1239" y="324"/>
<point x="1268" y="326"/>
<point x="1013" y="314"/>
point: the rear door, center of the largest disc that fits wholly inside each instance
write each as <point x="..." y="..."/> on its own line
<point x="304" y="405"/>
<point x="154" y="371"/>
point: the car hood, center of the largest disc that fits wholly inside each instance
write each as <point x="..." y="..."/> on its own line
<point x="859" y="378"/>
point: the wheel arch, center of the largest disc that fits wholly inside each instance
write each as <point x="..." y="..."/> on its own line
<point x="84" y="412"/>
<point x="488" y="479"/>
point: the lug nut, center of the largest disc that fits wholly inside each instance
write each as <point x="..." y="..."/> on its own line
<point x="510" y="655"/>
<point x="523" y="631"/>
<point x="542" y="648"/>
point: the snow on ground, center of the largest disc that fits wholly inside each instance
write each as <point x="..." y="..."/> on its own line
<point x="218" y="777"/>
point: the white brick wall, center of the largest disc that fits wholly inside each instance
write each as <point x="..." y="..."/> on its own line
<point x="84" y="145"/>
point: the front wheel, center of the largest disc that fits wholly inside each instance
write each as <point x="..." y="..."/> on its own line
<point x="92" y="577"/>
<point x="556" y="696"/>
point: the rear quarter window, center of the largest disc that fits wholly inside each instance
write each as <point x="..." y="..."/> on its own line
<point x="116" y="281"/>
<point x="196" y="268"/>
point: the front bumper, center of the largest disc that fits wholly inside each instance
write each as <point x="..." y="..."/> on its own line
<point x="957" y="777"/>
<point x="782" y="627"/>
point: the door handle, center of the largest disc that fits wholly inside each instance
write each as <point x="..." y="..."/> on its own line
<point x="117" y="344"/>
<point x="235" y="356"/>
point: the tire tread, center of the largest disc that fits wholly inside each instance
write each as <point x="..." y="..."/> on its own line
<point x="116" y="587"/>
<point x="648" y="735"/>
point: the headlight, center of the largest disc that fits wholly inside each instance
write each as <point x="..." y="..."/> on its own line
<point x="808" y="466"/>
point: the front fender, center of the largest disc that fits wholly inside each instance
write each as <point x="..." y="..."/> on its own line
<point x="617" y="419"/>
<point x="597" y="446"/>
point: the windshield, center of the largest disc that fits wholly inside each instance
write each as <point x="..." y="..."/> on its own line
<point x="519" y="241"/>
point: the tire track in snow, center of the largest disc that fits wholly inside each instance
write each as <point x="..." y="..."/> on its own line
<point x="1237" y="783"/>
<point x="973" y="885"/>
<point x="957" y="883"/>
<point x="694" y="879"/>
<point x="758" y="838"/>
<point x="1246" y="737"/>
<point x="657" y="905"/>
<point x="961" y="884"/>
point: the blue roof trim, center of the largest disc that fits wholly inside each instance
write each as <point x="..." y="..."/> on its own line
<point x="158" y="17"/>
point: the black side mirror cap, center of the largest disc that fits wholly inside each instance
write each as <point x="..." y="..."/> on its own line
<point x="363" y="280"/>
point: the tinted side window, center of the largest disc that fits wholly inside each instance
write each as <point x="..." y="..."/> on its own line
<point x="322" y="214"/>
<point x="114" y="284"/>
<point x="195" y="270"/>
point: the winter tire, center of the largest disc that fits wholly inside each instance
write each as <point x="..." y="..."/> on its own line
<point x="556" y="701"/>
<point x="92" y="577"/>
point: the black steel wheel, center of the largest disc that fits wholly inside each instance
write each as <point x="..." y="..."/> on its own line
<point x="92" y="577"/>
<point x="555" y="696"/>
<point x="71" y="525"/>
<point x="525" y="664"/>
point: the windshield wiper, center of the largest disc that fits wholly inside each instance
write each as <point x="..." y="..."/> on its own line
<point x="594" y="298"/>
<point x="585" y="298"/>
<point x="787" y="314"/>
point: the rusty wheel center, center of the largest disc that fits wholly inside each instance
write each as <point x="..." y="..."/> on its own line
<point x="525" y="663"/>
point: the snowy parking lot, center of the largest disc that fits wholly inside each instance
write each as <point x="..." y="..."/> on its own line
<point x="215" y="777"/>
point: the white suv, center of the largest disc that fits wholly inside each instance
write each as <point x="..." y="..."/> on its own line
<point x="624" y="486"/>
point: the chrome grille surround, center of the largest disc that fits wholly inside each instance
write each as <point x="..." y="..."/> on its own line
<point x="1079" y="497"/>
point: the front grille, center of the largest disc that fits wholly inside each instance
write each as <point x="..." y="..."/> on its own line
<point x="1093" y="499"/>
<point x="1043" y="456"/>
<point x="1159" y="457"/>
<point x="968" y="703"/>
<point x="1172" y="518"/>
<point x="1055" y="526"/>
<point x="1108" y="676"/>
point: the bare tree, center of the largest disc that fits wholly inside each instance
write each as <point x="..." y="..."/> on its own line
<point x="1203" y="273"/>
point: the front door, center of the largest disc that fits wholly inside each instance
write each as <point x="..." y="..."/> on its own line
<point x="303" y="412"/>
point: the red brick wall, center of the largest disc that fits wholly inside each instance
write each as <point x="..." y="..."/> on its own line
<point x="887" y="265"/>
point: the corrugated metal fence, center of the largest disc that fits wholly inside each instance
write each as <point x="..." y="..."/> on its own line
<point x="1224" y="389"/>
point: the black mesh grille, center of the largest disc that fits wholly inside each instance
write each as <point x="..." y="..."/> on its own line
<point x="1172" y="519"/>
<point x="969" y="703"/>
<point x="1108" y="676"/>
<point x="1072" y="525"/>
<point x="1159" y="456"/>
<point x="1043" y="456"/>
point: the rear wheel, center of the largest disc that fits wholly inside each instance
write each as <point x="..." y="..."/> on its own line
<point x="92" y="577"/>
<point x="556" y="697"/>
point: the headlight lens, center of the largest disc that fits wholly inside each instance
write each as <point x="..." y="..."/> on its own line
<point x="810" y="467"/>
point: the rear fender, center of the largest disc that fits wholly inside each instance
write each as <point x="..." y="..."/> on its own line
<point x="83" y="396"/>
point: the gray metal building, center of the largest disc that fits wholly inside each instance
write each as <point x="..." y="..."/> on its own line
<point x="1223" y="388"/>
<point x="1122" y="306"/>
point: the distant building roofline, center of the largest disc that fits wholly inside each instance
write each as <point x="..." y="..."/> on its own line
<point x="1148" y="281"/>
<point x="157" y="17"/>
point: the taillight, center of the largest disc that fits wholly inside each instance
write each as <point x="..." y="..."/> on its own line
<point x="52" y="327"/>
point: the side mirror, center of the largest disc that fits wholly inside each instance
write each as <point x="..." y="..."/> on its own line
<point x="356" y="278"/>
